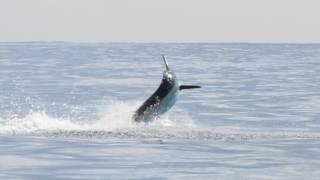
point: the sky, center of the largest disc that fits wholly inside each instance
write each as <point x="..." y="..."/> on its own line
<point x="275" y="21"/>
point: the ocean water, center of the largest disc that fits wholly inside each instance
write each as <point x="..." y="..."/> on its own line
<point x="66" y="109"/>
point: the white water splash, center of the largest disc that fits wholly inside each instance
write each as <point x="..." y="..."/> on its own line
<point x="116" y="121"/>
<point x="114" y="116"/>
<point x="38" y="121"/>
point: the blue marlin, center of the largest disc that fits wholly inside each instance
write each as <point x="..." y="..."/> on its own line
<point x="162" y="99"/>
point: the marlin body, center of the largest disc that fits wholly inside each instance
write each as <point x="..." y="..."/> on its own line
<point x="162" y="99"/>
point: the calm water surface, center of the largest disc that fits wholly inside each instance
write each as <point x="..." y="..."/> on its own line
<point x="65" y="111"/>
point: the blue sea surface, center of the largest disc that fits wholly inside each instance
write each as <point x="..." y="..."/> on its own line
<point x="66" y="111"/>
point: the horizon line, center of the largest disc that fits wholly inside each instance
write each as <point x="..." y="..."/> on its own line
<point x="158" y="42"/>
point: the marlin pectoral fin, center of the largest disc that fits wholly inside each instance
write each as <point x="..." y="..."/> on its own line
<point x="188" y="87"/>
